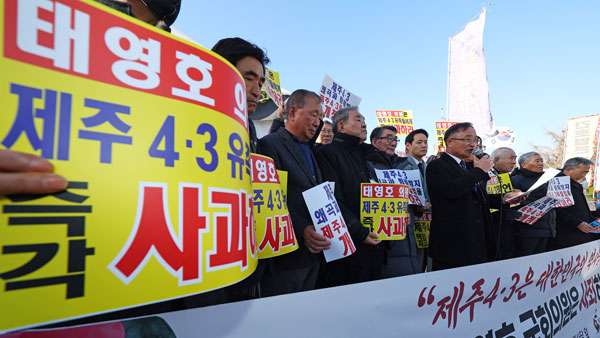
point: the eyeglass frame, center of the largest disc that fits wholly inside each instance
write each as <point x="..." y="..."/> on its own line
<point x="466" y="140"/>
<point x="389" y="138"/>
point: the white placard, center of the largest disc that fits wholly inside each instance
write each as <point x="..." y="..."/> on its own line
<point x="534" y="211"/>
<point x="412" y="178"/>
<point x="548" y="174"/>
<point x="335" y="97"/>
<point x="328" y="220"/>
<point x="560" y="188"/>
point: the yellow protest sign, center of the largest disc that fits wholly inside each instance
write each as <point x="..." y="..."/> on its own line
<point x="151" y="132"/>
<point x="385" y="209"/>
<point x="402" y="120"/>
<point x="422" y="226"/>
<point x="589" y="196"/>
<point x="274" y="230"/>
<point x="499" y="184"/>
<point x="440" y="130"/>
<point x="272" y="88"/>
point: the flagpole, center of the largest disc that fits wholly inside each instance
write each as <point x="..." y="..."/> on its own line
<point x="448" y="82"/>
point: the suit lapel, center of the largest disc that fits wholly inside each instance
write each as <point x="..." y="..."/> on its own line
<point x="453" y="163"/>
<point x="413" y="164"/>
<point x="291" y="145"/>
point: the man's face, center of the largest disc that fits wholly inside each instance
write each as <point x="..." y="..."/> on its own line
<point x="578" y="173"/>
<point x="304" y="122"/>
<point x="386" y="142"/>
<point x="507" y="163"/>
<point x="462" y="143"/>
<point x="326" y="135"/>
<point x="252" y="71"/>
<point x="418" y="148"/>
<point x="535" y="164"/>
<point x="355" y="125"/>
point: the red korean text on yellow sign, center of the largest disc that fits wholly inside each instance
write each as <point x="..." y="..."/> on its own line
<point x="151" y="132"/>
<point x="272" y="88"/>
<point x="499" y="184"/>
<point x="440" y="130"/>
<point x="422" y="226"/>
<point x="274" y="230"/>
<point x="402" y="120"/>
<point x="384" y="209"/>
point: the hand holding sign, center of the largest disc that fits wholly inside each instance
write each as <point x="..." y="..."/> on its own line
<point x="328" y="223"/>
<point x="314" y="241"/>
<point x="516" y="196"/>
<point x="371" y="239"/>
<point x="585" y="227"/>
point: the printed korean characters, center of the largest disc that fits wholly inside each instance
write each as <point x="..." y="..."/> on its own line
<point x="328" y="220"/>
<point x="385" y="209"/>
<point x="335" y="97"/>
<point x="412" y="178"/>
<point x="274" y="230"/>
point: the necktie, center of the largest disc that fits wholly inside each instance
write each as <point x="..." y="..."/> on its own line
<point x="420" y="165"/>
<point x="463" y="165"/>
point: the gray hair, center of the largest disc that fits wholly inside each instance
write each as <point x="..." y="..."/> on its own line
<point x="575" y="162"/>
<point x="342" y="115"/>
<point x="500" y="153"/>
<point x="298" y="99"/>
<point x="525" y="158"/>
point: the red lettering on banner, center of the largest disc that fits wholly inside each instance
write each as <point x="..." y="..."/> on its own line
<point x="589" y="294"/>
<point x="263" y="170"/>
<point x="430" y="298"/>
<point x="489" y="299"/>
<point x="448" y="307"/>
<point x="476" y="297"/>
<point x="392" y="225"/>
<point x="289" y="238"/>
<point x="348" y="244"/>
<point x="82" y="40"/>
<point x="231" y="229"/>
<point x="327" y="231"/>
<point x="153" y="235"/>
<point x="271" y="236"/>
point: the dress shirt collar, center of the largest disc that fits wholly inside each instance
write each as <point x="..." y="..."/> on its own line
<point x="455" y="158"/>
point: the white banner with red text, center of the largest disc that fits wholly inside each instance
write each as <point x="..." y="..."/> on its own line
<point x="554" y="294"/>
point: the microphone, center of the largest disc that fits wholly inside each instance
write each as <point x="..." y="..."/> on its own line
<point x="478" y="153"/>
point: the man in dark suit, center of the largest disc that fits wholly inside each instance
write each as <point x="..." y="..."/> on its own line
<point x="572" y="223"/>
<point x="461" y="231"/>
<point x="344" y="162"/>
<point x="291" y="151"/>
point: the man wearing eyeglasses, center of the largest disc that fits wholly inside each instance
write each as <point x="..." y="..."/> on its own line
<point x="461" y="231"/>
<point x="401" y="256"/>
<point x="383" y="154"/>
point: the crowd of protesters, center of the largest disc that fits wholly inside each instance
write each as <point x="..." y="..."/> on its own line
<point x="463" y="232"/>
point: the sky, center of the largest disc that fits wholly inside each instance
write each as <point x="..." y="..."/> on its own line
<point x="543" y="57"/>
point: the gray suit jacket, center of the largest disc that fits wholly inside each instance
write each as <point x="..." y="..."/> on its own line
<point x="411" y="164"/>
<point x="286" y="154"/>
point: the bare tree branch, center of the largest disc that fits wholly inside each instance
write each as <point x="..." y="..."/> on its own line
<point x="553" y="155"/>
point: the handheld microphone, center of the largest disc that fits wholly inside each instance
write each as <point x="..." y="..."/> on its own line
<point x="478" y="153"/>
